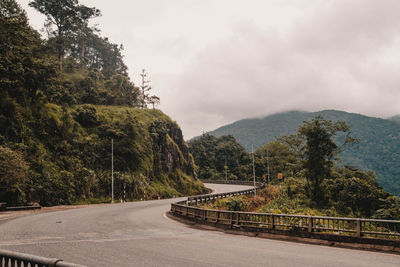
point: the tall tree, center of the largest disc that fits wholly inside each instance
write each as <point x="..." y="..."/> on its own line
<point x="83" y="31"/>
<point x="24" y="68"/>
<point x="320" y="151"/>
<point x="68" y="16"/>
<point x="144" y="89"/>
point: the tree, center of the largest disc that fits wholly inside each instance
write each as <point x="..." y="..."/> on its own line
<point x="320" y="151"/>
<point x="25" y="71"/>
<point x="214" y="155"/>
<point x="68" y="16"/>
<point x="83" y="31"/>
<point x="13" y="176"/>
<point x="281" y="160"/>
<point x="105" y="56"/>
<point x="144" y="89"/>
<point x="154" y="100"/>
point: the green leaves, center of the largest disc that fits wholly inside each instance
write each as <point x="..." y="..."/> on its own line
<point x="13" y="176"/>
<point x="211" y="153"/>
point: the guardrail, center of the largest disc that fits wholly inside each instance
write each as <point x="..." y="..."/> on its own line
<point x="236" y="182"/>
<point x="271" y="222"/>
<point x="17" y="259"/>
<point x="3" y="207"/>
<point x="22" y="208"/>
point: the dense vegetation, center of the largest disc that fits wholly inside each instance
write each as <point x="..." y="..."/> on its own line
<point x="219" y="157"/>
<point x="63" y="100"/>
<point x="310" y="182"/>
<point x="379" y="140"/>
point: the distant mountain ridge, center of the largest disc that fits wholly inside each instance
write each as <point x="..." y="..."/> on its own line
<point x="395" y="118"/>
<point x="379" y="148"/>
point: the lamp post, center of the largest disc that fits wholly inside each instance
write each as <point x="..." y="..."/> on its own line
<point x="112" y="170"/>
<point x="254" y="171"/>
<point x="268" y="166"/>
<point x="226" y="170"/>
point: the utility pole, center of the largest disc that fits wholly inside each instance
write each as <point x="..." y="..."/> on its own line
<point x="112" y="170"/>
<point x="268" y="166"/>
<point x="254" y="171"/>
<point x="226" y="170"/>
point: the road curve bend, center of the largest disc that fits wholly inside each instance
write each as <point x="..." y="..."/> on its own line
<point x="139" y="234"/>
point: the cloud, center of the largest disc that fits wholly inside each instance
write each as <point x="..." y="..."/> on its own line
<point x="215" y="62"/>
<point x="338" y="54"/>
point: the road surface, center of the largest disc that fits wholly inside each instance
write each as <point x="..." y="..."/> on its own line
<point x="139" y="234"/>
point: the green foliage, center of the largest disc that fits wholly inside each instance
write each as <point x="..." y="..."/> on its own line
<point x="395" y="118"/>
<point x="68" y="150"/>
<point x="232" y="203"/>
<point x="52" y="120"/>
<point x="69" y="17"/>
<point x="318" y="153"/>
<point x="13" y="176"/>
<point x="350" y="193"/>
<point x="378" y="149"/>
<point x="211" y="153"/>
<point x="311" y="177"/>
<point x="93" y="69"/>
<point x="280" y="158"/>
<point x="87" y="116"/>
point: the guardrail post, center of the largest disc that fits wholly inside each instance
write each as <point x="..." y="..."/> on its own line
<point x="272" y="221"/>
<point x="217" y="217"/>
<point x="358" y="228"/>
<point x="237" y="218"/>
<point x="204" y="215"/>
<point x="310" y="224"/>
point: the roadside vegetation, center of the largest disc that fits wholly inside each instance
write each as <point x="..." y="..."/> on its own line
<point x="306" y="177"/>
<point x="63" y="98"/>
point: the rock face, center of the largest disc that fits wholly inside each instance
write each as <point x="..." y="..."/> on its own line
<point x="171" y="152"/>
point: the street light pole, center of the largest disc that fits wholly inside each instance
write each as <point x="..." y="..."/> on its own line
<point x="268" y="167"/>
<point x="112" y="170"/>
<point x="226" y="169"/>
<point x="254" y="171"/>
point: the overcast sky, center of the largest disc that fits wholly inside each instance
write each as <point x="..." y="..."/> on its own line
<point x="213" y="62"/>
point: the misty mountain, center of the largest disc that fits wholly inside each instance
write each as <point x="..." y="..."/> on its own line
<point x="378" y="150"/>
<point x="395" y="118"/>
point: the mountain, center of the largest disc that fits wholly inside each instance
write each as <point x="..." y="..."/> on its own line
<point x="378" y="150"/>
<point x="395" y="118"/>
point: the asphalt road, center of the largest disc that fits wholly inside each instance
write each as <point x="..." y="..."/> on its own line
<point x="139" y="234"/>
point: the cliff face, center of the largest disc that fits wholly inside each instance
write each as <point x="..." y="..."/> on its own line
<point x="177" y="152"/>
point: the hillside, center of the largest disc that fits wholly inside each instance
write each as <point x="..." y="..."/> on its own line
<point x="67" y="155"/>
<point x="395" y="118"/>
<point x="378" y="150"/>
<point x="63" y="100"/>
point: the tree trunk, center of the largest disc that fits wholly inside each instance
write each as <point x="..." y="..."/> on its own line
<point x="82" y="52"/>
<point x="60" y="58"/>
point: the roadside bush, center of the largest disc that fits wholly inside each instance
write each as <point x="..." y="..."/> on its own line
<point x="13" y="176"/>
<point x="232" y="203"/>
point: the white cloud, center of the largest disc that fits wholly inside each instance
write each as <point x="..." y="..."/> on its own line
<point x="214" y="62"/>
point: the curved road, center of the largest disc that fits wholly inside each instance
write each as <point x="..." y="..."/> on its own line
<point x="138" y="234"/>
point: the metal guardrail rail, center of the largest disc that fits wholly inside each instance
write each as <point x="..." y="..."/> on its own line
<point x="356" y="227"/>
<point x="17" y="259"/>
